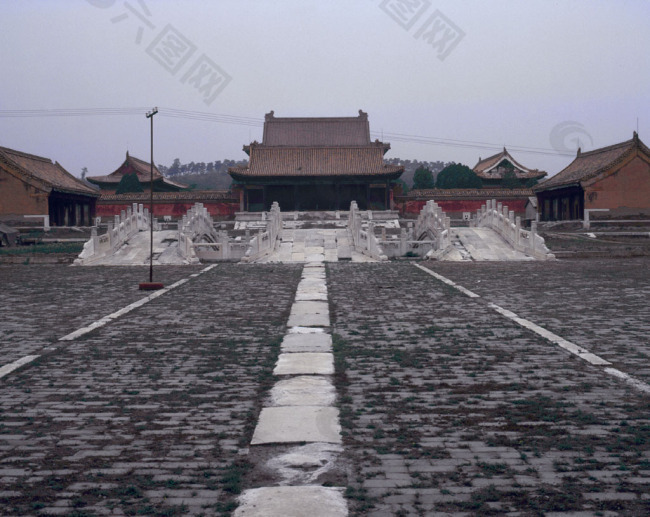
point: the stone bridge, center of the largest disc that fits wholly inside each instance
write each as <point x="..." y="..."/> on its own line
<point x="355" y="235"/>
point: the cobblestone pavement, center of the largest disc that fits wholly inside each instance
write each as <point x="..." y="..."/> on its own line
<point x="448" y="407"/>
<point x="445" y="405"/>
<point x="151" y="414"/>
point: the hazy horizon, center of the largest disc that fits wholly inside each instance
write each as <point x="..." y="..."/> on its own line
<point x="440" y="80"/>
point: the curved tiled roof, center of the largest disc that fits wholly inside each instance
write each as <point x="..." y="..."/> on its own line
<point x="52" y="176"/>
<point x="589" y="164"/>
<point x="141" y="168"/>
<point x="316" y="131"/>
<point x="484" y="166"/>
<point x="316" y="161"/>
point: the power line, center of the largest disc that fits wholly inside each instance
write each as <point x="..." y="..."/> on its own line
<point x="221" y="118"/>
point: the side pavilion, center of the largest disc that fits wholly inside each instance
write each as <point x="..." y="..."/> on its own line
<point x="142" y="169"/>
<point x="315" y="164"/>
<point x="615" y="179"/>
<point x="493" y="170"/>
<point x="32" y="185"/>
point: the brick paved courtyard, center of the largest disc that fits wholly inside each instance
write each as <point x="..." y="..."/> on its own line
<point x="447" y="407"/>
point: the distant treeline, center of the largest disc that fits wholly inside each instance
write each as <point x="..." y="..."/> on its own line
<point x="410" y="166"/>
<point x="202" y="175"/>
<point x="214" y="175"/>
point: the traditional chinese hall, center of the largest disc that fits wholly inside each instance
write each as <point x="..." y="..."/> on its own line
<point x="315" y="164"/>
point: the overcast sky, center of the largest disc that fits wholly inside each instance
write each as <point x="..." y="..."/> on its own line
<point x="475" y="75"/>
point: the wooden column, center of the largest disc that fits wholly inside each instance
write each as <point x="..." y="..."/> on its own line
<point x="337" y="187"/>
<point x="387" y="196"/>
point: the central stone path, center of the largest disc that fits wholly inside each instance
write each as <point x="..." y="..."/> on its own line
<point x="300" y="410"/>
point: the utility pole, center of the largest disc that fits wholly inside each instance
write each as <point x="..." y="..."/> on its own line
<point x="151" y="285"/>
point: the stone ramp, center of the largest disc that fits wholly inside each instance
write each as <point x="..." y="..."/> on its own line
<point x="314" y="245"/>
<point x="482" y="244"/>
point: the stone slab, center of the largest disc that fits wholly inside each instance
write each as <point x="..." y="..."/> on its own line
<point x="306" y="296"/>
<point x="314" y="274"/>
<point x="307" y="363"/>
<point x="297" y="424"/>
<point x="311" y="282"/>
<point x="311" y="288"/>
<point x="310" y="307"/>
<point x="305" y="390"/>
<point x="293" y="343"/>
<point x="292" y="501"/>
<point x="306" y="330"/>
<point x="309" y="320"/>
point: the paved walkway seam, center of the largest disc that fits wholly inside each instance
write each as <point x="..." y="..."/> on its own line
<point x="8" y="368"/>
<point x="445" y="280"/>
<point x="570" y="347"/>
<point x="125" y="310"/>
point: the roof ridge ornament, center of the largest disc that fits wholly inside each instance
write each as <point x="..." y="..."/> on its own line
<point x="635" y="137"/>
<point x="363" y="115"/>
<point x="269" y="116"/>
<point x="579" y="152"/>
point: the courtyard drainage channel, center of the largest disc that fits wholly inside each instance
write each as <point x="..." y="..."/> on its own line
<point x="570" y="347"/>
<point x="8" y="368"/>
<point x="296" y="445"/>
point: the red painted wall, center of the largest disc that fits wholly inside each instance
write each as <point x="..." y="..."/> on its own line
<point x="625" y="192"/>
<point x="176" y="210"/>
<point x="20" y="198"/>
